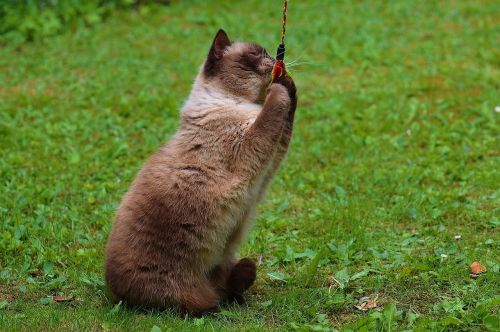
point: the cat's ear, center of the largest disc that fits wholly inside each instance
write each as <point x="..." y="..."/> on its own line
<point x="220" y="43"/>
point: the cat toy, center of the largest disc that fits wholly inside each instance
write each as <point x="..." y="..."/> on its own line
<point x="279" y="65"/>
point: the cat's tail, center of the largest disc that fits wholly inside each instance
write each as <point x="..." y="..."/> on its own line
<point x="196" y="296"/>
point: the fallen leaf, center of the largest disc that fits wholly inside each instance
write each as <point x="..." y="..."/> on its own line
<point x="155" y="329"/>
<point x="278" y="276"/>
<point x="476" y="269"/>
<point x="59" y="298"/>
<point x="367" y="303"/>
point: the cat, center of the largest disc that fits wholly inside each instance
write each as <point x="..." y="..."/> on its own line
<point x="175" y="235"/>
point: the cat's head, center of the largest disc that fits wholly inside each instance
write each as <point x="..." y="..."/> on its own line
<point x="241" y="69"/>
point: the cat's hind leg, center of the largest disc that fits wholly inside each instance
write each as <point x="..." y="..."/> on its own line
<point x="241" y="278"/>
<point x="232" y="280"/>
<point x="199" y="298"/>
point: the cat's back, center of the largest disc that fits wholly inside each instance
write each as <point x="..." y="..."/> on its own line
<point x="178" y="184"/>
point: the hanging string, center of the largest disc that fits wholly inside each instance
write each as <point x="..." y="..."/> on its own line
<point x="283" y="29"/>
<point x="279" y="66"/>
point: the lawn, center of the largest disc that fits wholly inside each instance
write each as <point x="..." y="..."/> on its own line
<point x="390" y="190"/>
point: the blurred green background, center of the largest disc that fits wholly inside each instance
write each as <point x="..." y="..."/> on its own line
<point x="390" y="189"/>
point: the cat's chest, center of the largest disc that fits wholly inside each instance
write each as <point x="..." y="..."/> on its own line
<point x="258" y="184"/>
<point x="247" y="205"/>
<point x="248" y="198"/>
<point x="237" y="218"/>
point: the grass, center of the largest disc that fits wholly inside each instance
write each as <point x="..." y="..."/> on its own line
<point x="395" y="155"/>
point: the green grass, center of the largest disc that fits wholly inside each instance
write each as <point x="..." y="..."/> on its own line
<point x="396" y="151"/>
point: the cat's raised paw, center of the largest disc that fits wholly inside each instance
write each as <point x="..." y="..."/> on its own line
<point x="288" y="83"/>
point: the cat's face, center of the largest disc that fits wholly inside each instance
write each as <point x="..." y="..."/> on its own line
<point x="241" y="69"/>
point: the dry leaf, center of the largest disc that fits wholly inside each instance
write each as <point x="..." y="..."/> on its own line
<point x="477" y="268"/>
<point x="367" y="303"/>
<point x="59" y="298"/>
<point x="332" y="282"/>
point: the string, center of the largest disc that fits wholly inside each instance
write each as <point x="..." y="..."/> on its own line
<point x="283" y="29"/>
<point x="279" y="65"/>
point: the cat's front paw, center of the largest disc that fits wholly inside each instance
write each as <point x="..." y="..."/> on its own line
<point x="287" y="81"/>
<point x="278" y="97"/>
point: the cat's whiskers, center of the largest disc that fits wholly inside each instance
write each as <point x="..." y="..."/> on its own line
<point x="297" y="63"/>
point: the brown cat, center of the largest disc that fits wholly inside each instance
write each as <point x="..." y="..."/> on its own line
<point x="176" y="232"/>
